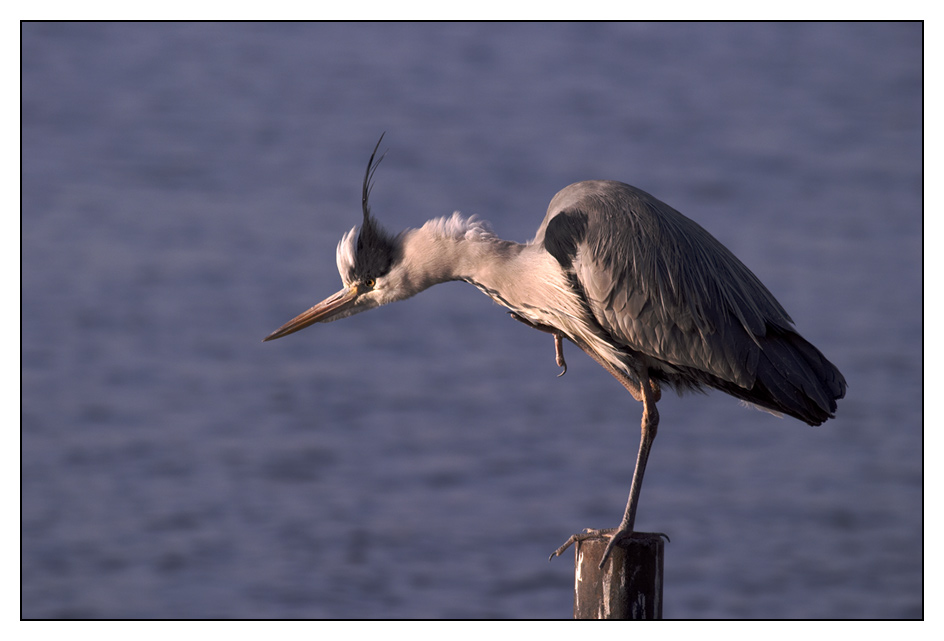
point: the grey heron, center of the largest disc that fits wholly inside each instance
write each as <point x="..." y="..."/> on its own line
<point x="643" y="290"/>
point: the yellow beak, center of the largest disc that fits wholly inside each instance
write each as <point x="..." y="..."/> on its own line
<point x="319" y="313"/>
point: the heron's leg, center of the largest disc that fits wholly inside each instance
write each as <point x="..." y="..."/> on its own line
<point x="650" y="425"/>
<point x="558" y="339"/>
<point x="650" y="392"/>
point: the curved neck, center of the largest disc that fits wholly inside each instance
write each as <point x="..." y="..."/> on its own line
<point x="456" y="248"/>
<point x="521" y="277"/>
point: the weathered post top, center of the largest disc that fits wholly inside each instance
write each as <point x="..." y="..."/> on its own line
<point x="630" y="584"/>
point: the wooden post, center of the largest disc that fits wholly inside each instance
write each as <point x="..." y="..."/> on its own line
<point x="630" y="584"/>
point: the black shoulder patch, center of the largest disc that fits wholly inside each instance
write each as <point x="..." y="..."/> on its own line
<point x="562" y="235"/>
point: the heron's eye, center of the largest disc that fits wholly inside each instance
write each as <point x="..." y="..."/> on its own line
<point x="369" y="283"/>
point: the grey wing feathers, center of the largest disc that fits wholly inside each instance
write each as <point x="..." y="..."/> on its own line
<point x="661" y="285"/>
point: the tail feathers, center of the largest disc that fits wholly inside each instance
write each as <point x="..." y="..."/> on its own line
<point x="794" y="378"/>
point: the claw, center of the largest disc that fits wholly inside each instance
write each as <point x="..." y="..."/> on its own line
<point x="616" y="537"/>
<point x="559" y="353"/>
<point x="558" y="342"/>
<point x="588" y="533"/>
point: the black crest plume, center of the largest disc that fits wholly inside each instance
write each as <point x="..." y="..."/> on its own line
<point x="375" y="247"/>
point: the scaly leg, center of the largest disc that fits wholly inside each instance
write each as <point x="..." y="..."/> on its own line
<point x="645" y="390"/>
<point x="650" y="425"/>
<point x="558" y="340"/>
<point x="648" y="389"/>
<point x="559" y="353"/>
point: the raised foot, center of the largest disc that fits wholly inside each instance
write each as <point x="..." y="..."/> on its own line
<point x="558" y="340"/>
<point x="559" y="353"/>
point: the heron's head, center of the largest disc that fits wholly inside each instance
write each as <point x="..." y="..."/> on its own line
<point x="369" y="260"/>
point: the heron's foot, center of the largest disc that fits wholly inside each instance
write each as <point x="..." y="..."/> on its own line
<point x="588" y="533"/>
<point x="616" y="536"/>
<point x="558" y="339"/>
<point x="559" y="353"/>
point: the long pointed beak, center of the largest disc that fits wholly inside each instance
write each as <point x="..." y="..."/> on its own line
<point x="322" y="311"/>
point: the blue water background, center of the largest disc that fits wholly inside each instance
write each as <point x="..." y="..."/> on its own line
<point x="185" y="186"/>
